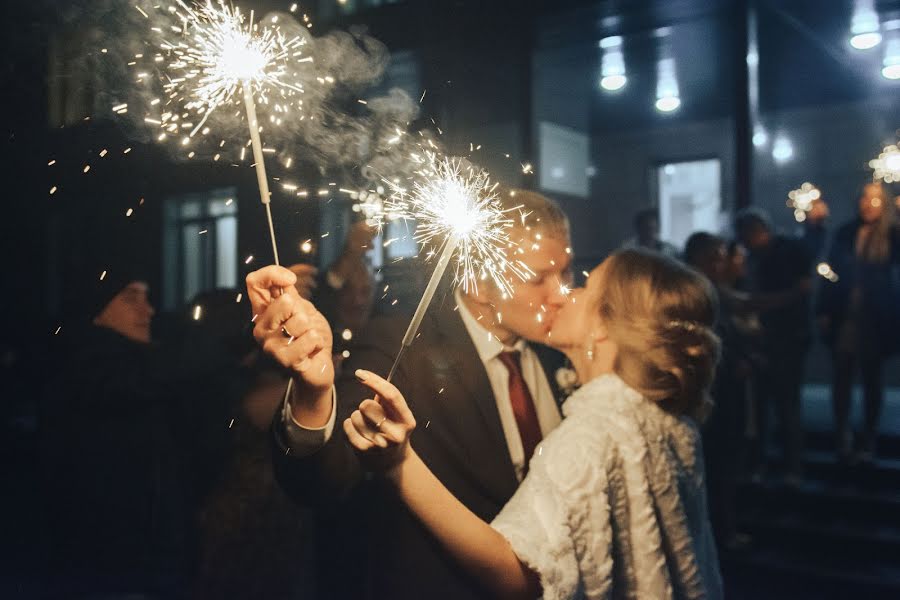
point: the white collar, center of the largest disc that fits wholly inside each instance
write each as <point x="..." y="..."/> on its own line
<point x="487" y="344"/>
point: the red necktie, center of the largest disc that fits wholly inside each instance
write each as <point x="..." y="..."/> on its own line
<point x="522" y="405"/>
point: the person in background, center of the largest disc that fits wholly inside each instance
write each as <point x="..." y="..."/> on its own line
<point x="723" y="432"/>
<point x="345" y="293"/>
<point x="858" y="313"/>
<point x="646" y="228"/>
<point x="814" y="231"/>
<point x="781" y="269"/>
<point x="117" y="508"/>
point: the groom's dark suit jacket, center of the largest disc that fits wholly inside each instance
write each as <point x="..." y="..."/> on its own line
<point x="370" y="546"/>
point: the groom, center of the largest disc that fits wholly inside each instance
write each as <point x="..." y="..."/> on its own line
<point x="483" y="395"/>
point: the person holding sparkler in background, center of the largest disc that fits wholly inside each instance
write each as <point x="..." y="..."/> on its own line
<point x="858" y="314"/>
<point x="781" y="271"/>
<point x="614" y="503"/>
<point x="484" y="390"/>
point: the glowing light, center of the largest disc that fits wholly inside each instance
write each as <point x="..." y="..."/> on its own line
<point x="782" y="149"/>
<point x="887" y="165"/>
<point x="612" y="64"/>
<point x="891" y="62"/>
<point x="456" y="210"/>
<point x="217" y="53"/>
<point x="346" y="335"/>
<point x="667" y="97"/>
<point x="306" y="247"/>
<point x="760" y="138"/>
<point x="825" y="270"/>
<point x="454" y="202"/>
<point x="198" y="312"/>
<point x="864" y="26"/>
<point x="801" y="200"/>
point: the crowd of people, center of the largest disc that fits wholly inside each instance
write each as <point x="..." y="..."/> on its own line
<point x="206" y="465"/>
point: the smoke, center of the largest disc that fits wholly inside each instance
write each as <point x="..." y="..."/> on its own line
<point x="118" y="49"/>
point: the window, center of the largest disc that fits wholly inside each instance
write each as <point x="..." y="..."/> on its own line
<point x="199" y="244"/>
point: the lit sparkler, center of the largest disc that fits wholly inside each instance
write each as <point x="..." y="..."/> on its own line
<point x="825" y="270"/>
<point x="887" y="165"/>
<point x="457" y="214"/>
<point x="217" y="54"/>
<point x="802" y="199"/>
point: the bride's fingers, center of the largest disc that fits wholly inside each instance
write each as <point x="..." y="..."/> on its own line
<point x="367" y="431"/>
<point x="356" y="440"/>
<point x="375" y="415"/>
<point x="389" y="395"/>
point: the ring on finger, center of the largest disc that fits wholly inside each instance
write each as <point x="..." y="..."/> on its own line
<point x="287" y="334"/>
<point x="380" y="423"/>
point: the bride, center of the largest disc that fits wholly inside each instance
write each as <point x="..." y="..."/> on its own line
<point x="614" y="503"/>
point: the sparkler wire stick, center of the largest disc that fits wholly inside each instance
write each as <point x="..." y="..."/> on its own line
<point x="261" y="178"/>
<point x="439" y="268"/>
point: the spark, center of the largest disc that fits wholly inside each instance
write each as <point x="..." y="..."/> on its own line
<point x="216" y="53"/>
<point x="458" y="218"/>
<point x="198" y="312"/>
<point x="129" y="212"/>
<point x="346" y="335"/>
<point x="58" y="329"/>
<point x="802" y="199"/>
<point x="53" y="190"/>
<point x="453" y="202"/>
<point x="51" y="163"/>
<point x="825" y="270"/>
<point x="248" y="260"/>
<point x="887" y="165"/>
<point x="239" y="298"/>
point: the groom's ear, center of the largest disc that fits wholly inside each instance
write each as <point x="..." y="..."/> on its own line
<point x="482" y="296"/>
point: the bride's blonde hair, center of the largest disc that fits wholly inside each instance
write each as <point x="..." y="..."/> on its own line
<point x="660" y="314"/>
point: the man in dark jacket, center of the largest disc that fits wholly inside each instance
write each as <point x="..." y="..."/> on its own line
<point x="484" y="395"/>
<point x="781" y="270"/>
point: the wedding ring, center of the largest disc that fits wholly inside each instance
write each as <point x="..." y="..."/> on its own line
<point x="287" y="334"/>
<point x="380" y="423"/>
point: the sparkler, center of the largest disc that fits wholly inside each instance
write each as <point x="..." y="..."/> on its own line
<point x="887" y="165"/>
<point x="802" y="199"/>
<point x="825" y="270"/>
<point x="218" y="53"/>
<point x="456" y="208"/>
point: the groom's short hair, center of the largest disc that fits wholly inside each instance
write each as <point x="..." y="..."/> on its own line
<point x="533" y="211"/>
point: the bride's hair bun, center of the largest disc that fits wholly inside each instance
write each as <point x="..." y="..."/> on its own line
<point x="660" y="314"/>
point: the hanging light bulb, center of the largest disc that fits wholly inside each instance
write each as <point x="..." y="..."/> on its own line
<point x="667" y="97"/>
<point x="865" y="26"/>
<point x="891" y="69"/>
<point x="782" y="149"/>
<point x="612" y="64"/>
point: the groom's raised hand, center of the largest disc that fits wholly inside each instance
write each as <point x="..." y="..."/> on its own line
<point x="294" y="333"/>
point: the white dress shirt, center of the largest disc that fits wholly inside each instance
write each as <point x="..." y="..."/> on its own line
<point x="304" y="441"/>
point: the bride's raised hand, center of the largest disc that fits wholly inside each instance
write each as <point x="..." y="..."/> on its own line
<point x="380" y="429"/>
